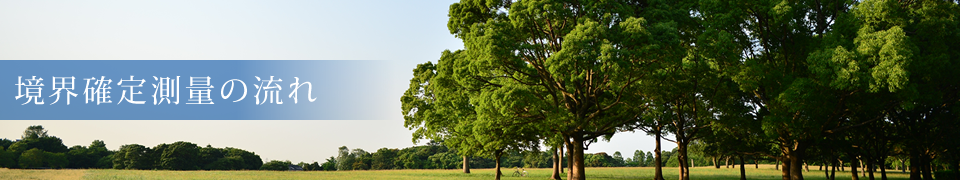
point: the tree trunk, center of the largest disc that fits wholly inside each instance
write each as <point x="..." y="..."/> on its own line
<point x="833" y="171"/>
<point x="658" y="165"/>
<point x="715" y="164"/>
<point x="806" y="166"/>
<point x="569" y="147"/>
<point x="777" y="167"/>
<point x="728" y="162"/>
<point x="785" y="170"/>
<point x="556" y="164"/>
<point x="883" y="168"/>
<point x="841" y="164"/>
<point x="684" y="168"/>
<point x="561" y="159"/>
<point x="914" y="166"/>
<point x="903" y="166"/>
<point x="870" y="168"/>
<point x="576" y="151"/>
<point x="756" y="163"/>
<point x="796" y="164"/>
<point x="826" y="173"/>
<point x="743" y="171"/>
<point x="925" y="167"/>
<point x="497" y="155"/>
<point x="466" y="164"/>
<point x="853" y="170"/>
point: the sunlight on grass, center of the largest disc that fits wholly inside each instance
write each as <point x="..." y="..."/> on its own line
<point x="40" y="173"/>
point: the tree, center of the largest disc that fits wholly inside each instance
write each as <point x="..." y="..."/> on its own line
<point x="32" y="158"/>
<point x="34" y="132"/>
<point x="617" y="159"/>
<point x="251" y="161"/>
<point x="439" y="108"/>
<point x="344" y="159"/>
<point x="180" y="156"/>
<point x="276" y="165"/>
<point x="384" y="158"/>
<point x="330" y="164"/>
<point x="80" y="157"/>
<point x="132" y="156"/>
<point x="5" y="143"/>
<point x="8" y="159"/>
<point x="561" y="65"/>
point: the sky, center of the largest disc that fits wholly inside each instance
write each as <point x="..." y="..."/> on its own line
<point x="401" y="34"/>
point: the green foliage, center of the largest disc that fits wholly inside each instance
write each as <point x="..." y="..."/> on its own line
<point x="310" y="166"/>
<point x="330" y="164"/>
<point x="384" y="159"/>
<point x="180" y="156"/>
<point x="5" y="143"/>
<point x="132" y="156"/>
<point x="8" y="159"/>
<point x="34" y="132"/>
<point x="276" y="165"/>
<point x="36" y="158"/>
<point x="32" y="158"/>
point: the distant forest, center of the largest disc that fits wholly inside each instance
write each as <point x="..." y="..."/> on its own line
<point x="39" y="150"/>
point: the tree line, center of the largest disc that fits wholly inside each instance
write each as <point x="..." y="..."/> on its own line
<point x="37" y="149"/>
<point x="435" y="155"/>
<point x="800" y="82"/>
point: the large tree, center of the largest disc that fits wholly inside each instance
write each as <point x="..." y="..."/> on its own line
<point x="568" y="66"/>
<point x="812" y="65"/>
<point x="438" y="108"/>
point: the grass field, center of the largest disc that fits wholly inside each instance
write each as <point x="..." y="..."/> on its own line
<point x="697" y="173"/>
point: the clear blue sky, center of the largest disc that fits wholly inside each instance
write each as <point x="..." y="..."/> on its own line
<point x="403" y="32"/>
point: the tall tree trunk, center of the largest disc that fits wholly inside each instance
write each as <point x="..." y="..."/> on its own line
<point x="883" y="168"/>
<point x="870" y="168"/>
<point x="796" y="163"/>
<point x="497" y="155"/>
<point x="806" y="166"/>
<point x="682" y="160"/>
<point x="569" y="147"/>
<point x="657" y="160"/>
<point x="756" y="163"/>
<point x="743" y="171"/>
<point x="556" y="164"/>
<point x="833" y="171"/>
<point x="826" y="173"/>
<point x="925" y="167"/>
<point x="853" y="170"/>
<point x="785" y="170"/>
<point x="914" y="167"/>
<point x="576" y="151"/>
<point x="561" y="159"/>
<point x="466" y="164"/>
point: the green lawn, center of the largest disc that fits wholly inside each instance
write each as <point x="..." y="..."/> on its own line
<point x="765" y="172"/>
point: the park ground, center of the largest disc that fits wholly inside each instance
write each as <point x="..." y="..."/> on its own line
<point x="707" y="173"/>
